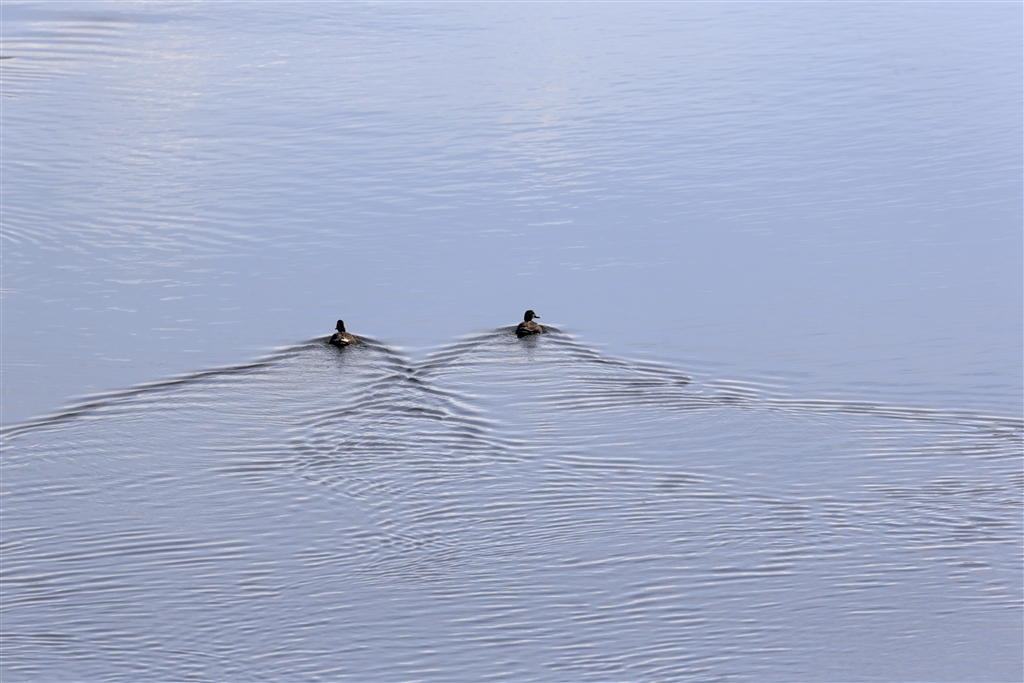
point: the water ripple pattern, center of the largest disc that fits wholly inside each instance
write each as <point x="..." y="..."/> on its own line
<point x="505" y="509"/>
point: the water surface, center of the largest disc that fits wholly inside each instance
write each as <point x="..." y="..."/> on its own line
<point x="774" y="431"/>
<point x="512" y="510"/>
<point x="826" y="198"/>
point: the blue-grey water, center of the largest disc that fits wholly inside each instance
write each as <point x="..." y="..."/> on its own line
<point x="774" y="431"/>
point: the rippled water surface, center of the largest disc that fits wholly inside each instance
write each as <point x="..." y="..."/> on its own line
<point x="773" y="432"/>
<point x="510" y="510"/>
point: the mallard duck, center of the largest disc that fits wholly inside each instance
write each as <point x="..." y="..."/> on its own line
<point x="341" y="337"/>
<point x="528" y="327"/>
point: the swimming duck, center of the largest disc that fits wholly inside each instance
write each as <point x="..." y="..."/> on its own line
<point x="528" y="327"/>
<point x="341" y="337"/>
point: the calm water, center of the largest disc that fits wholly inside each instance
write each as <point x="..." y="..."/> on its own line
<point x="775" y="432"/>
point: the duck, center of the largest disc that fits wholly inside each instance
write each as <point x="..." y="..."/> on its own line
<point x="528" y="327"/>
<point x="341" y="337"/>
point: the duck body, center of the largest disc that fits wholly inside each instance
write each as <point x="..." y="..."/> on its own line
<point x="341" y="338"/>
<point x="528" y="327"/>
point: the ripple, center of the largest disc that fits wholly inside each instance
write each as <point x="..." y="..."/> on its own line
<point x="588" y="516"/>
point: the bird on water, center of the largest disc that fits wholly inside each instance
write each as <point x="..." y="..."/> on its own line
<point x="528" y="327"/>
<point x="341" y="337"/>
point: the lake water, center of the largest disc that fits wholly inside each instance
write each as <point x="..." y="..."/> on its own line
<point x="774" y="431"/>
